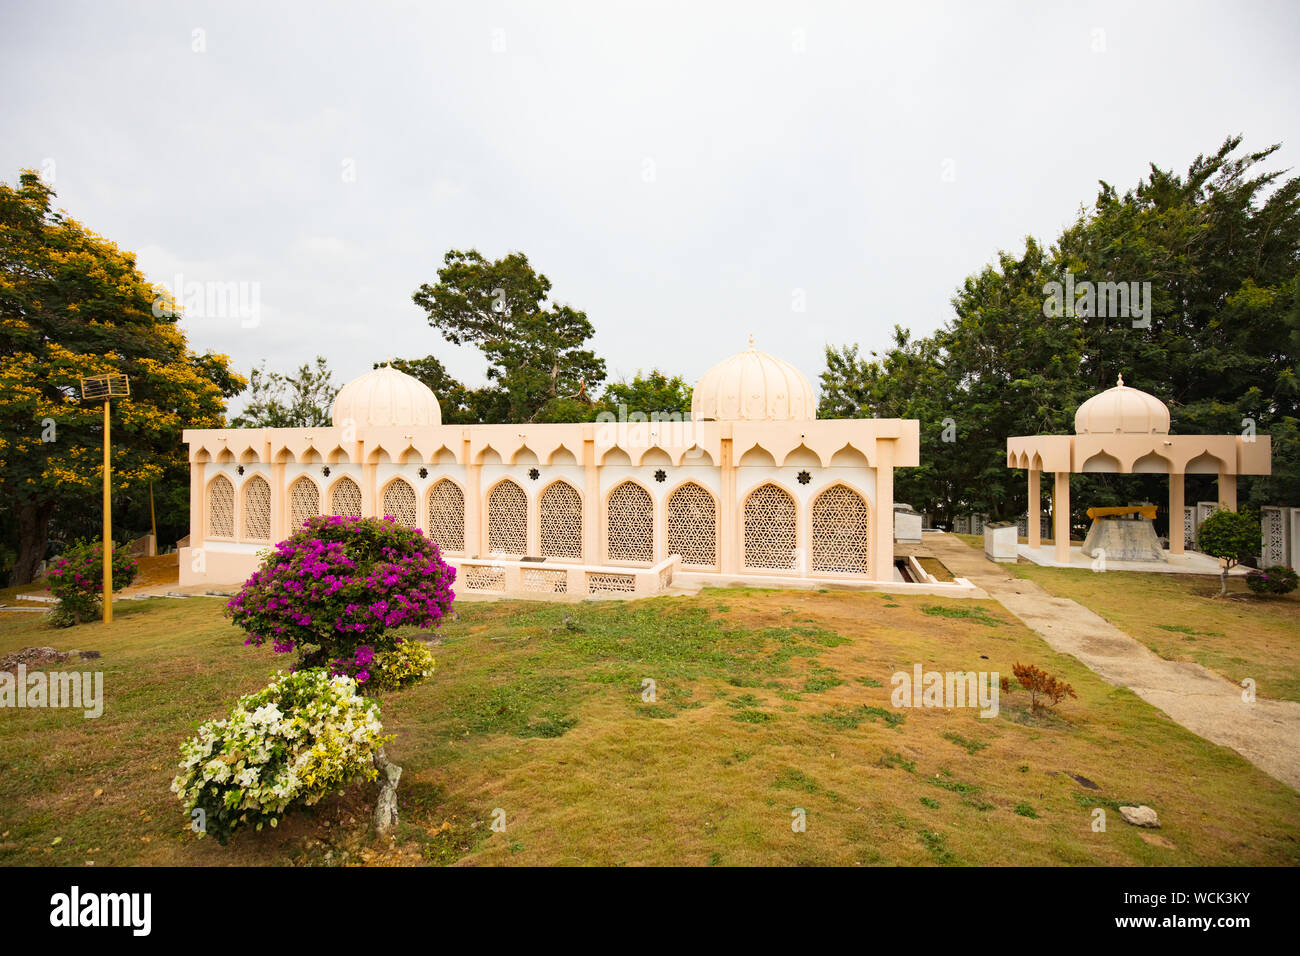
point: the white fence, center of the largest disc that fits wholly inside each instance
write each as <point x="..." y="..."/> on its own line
<point x="519" y="578"/>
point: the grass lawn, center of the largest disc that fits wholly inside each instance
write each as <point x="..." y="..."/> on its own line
<point x="1182" y="618"/>
<point x="767" y="702"/>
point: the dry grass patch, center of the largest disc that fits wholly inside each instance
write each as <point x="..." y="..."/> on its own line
<point x="765" y="703"/>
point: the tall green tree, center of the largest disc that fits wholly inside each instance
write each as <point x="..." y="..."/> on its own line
<point x="1216" y="338"/>
<point x="72" y="305"/>
<point x="459" y="405"/>
<point x="649" y="392"/>
<point x="536" y="349"/>
<point x="1220" y="246"/>
<point x="304" y="399"/>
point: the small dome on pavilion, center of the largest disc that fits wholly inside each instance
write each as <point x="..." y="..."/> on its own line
<point x="753" y="387"/>
<point x="385" y="398"/>
<point x="1122" y="411"/>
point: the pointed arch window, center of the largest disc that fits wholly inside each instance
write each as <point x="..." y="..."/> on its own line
<point x="629" y="524"/>
<point x="446" y="507"/>
<point x="771" y="524"/>
<point x="221" y="508"/>
<point x="345" y="498"/>
<point x="257" y="509"/>
<point x="400" y="502"/>
<point x="691" y="515"/>
<point x="507" y="519"/>
<point x="304" y="502"/>
<point x="841" y="532"/>
<point x="560" y="511"/>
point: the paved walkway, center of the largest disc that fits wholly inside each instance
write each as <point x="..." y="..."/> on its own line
<point x="1267" y="732"/>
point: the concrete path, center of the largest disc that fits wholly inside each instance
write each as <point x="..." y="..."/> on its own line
<point x="1267" y="732"/>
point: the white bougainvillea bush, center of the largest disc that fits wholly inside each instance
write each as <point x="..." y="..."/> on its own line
<point x="305" y="735"/>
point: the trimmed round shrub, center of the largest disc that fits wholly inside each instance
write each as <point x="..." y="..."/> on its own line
<point x="76" y="579"/>
<point x="302" y="737"/>
<point x="336" y="590"/>
<point x="408" y="663"/>
<point x="1231" y="536"/>
<point x="1278" y="579"/>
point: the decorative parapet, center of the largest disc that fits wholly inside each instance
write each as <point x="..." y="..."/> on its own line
<point x="513" y="577"/>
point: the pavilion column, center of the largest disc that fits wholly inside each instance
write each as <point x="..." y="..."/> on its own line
<point x="279" y="499"/>
<point x="1035" y="506"/>
<point x="197" y="504"/>
<point x="729" y="522"/>
<point x="369" y="488"/>
<point x="1227" y="491"/>
<point x="590" y="498"/>
<point x="1061" y="517"/>
<point x="1176" y="540"/>
<point x="882" y="567"/>
<point x="474" y="505"/>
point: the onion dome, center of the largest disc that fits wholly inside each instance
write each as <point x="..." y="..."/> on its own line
<point x="387" y="397"/>
<point x="1122" y="411"/>
<point x="753" y="387"/>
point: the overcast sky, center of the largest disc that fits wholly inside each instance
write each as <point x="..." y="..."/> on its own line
<point x="687" y="173"/>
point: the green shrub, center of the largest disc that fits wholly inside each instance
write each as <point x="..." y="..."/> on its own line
<point x="1278" y="579"/>
<point x="76" y="579"/>
<point x="1231" y="536"/>
<point x="337" y="591"/>
<point x="293" y="742"/>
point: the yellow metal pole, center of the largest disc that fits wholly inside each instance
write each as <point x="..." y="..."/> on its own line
<point x="108" y="527"/>
<point x="153" y="520"/>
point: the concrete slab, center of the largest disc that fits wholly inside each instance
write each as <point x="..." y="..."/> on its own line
<point x="1190" y="562"/>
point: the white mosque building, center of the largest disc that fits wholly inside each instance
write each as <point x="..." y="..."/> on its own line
<point x="752" y="488"/>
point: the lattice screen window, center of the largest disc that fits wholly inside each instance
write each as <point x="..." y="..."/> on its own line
<point x="221" y="508"/>
<point x="604" y="582"/>
<point x="447" y="515"/>
<point x="481" y="578"/>
<point x="345" y="499"/>
<point x="508" y="519"/>
<point x="630" y="524"/>
<point x="692" y="523"/>
<point x="400" y="503"/>
<point x="841" y="532"/>
<point x="770" y="538"/>
<point x="561" y="521"/>
<point x="543" y="581"/>
<point x="257" y="509"/>
<point x="304" y="502"/>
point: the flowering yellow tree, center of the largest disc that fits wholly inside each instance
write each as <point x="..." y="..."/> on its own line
<point x="72" y="304"/>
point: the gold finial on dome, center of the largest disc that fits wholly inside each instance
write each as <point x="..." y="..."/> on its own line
<point x="751" y="340"/>
<point x="1120" y="382"/>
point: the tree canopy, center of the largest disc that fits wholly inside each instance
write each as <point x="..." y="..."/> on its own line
<point x="536" y="349"/>
<point x="1216" y="339"/>
<point x="301" y="400"/>
<point x="72" y="305"/>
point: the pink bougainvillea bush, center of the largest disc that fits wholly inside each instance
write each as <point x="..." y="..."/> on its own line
<point x="76" y="578"/>
<point x="338" y="589"/>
